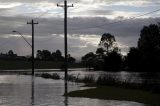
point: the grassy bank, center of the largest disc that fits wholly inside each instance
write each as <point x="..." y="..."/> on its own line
<point x="21" y="64"/>
<point x="118" y="93"/>
<point x="111" y="88"/>
<point x="108" y="88"/>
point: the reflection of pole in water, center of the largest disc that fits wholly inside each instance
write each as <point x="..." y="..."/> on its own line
<point x="32" y="91"/>
<point x="66" y="101"/>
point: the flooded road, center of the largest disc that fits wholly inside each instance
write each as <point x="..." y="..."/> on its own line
<point x="22" y="90"/>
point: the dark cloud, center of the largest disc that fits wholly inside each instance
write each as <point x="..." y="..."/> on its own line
<point x="77" y="25"/>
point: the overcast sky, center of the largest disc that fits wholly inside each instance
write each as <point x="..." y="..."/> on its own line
<point x="87" y="21"/>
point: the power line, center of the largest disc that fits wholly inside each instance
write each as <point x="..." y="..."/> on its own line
<point x="117" y="21"/>
<point x="39" y="16"/>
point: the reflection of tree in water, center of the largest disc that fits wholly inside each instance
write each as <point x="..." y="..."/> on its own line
<point x="131" y="77"/>
<point x="151" y="77"/>
<point x="151" y="81"/>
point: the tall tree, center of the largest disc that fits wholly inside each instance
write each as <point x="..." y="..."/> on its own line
<point x="149" y="44"/>
<point x="149" y="41"/>
<point x="107" y="42"/>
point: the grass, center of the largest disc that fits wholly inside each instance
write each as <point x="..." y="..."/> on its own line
<point x="86" y="79"/>
<point x="118" y="93"/>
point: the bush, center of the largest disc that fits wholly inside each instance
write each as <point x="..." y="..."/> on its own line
<point x="53" y="76"/>
<point x="46" y="75"/>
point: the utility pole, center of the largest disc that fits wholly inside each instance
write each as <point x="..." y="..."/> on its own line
<point x="65" y="6"/>
<point x="32" y="23"/>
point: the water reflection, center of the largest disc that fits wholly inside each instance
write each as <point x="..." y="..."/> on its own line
<point x="21" y="90"/>
<point x="32" y="91"/>
<point x="66" y="101"/>
<point x="65" y="92"/>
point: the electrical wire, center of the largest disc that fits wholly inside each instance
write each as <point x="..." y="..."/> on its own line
<point x="41" y="15"/>
<point x="117" y="21"/>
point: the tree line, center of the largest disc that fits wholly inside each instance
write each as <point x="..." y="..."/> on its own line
<point x="42" y="55"/>
<point x="144" y="57"/>
<point x="53" y="56"/>
<point x="10" y="55"/>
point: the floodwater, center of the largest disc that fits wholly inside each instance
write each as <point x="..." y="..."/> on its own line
<point x="22" y="90"/>
<point x="132" y="77"/>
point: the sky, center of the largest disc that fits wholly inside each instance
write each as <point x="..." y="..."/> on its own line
<point x="87" y="21"/>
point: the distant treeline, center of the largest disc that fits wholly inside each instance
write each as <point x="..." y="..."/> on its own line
<point x="11" y="56"/>
<point x="53" y="56"/>
<point x="144" y="57"/>
<point x="44" y="55"/>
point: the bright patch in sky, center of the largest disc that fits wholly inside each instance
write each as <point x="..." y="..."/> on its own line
<point x="9" y="5"/>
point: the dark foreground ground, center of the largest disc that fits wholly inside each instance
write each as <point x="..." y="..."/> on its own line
<point x="118" y="93"/>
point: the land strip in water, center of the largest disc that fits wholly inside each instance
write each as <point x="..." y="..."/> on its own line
<point x="118" y="93"/>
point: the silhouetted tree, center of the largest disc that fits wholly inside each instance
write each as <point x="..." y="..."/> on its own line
<point x="11" y="54"/>
<point x="113" y="61"/>
<point x="88" y="59"/>
<point x="46" y="55"/>
<point x="88" y="56"/>
<point x="71" y="59"/>
<point x="100" y="51"/>
<point x="134" y="59"/>
<point x="58" y="53"/>
<point x="149" y="41"/>
<point x="57" y="56"/>
<point x="149" y="45"/>
<point x="107" y="42"/>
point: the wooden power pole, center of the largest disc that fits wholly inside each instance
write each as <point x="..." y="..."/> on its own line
<point x="65" y="6"/>
<point x="32" y="24"/>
